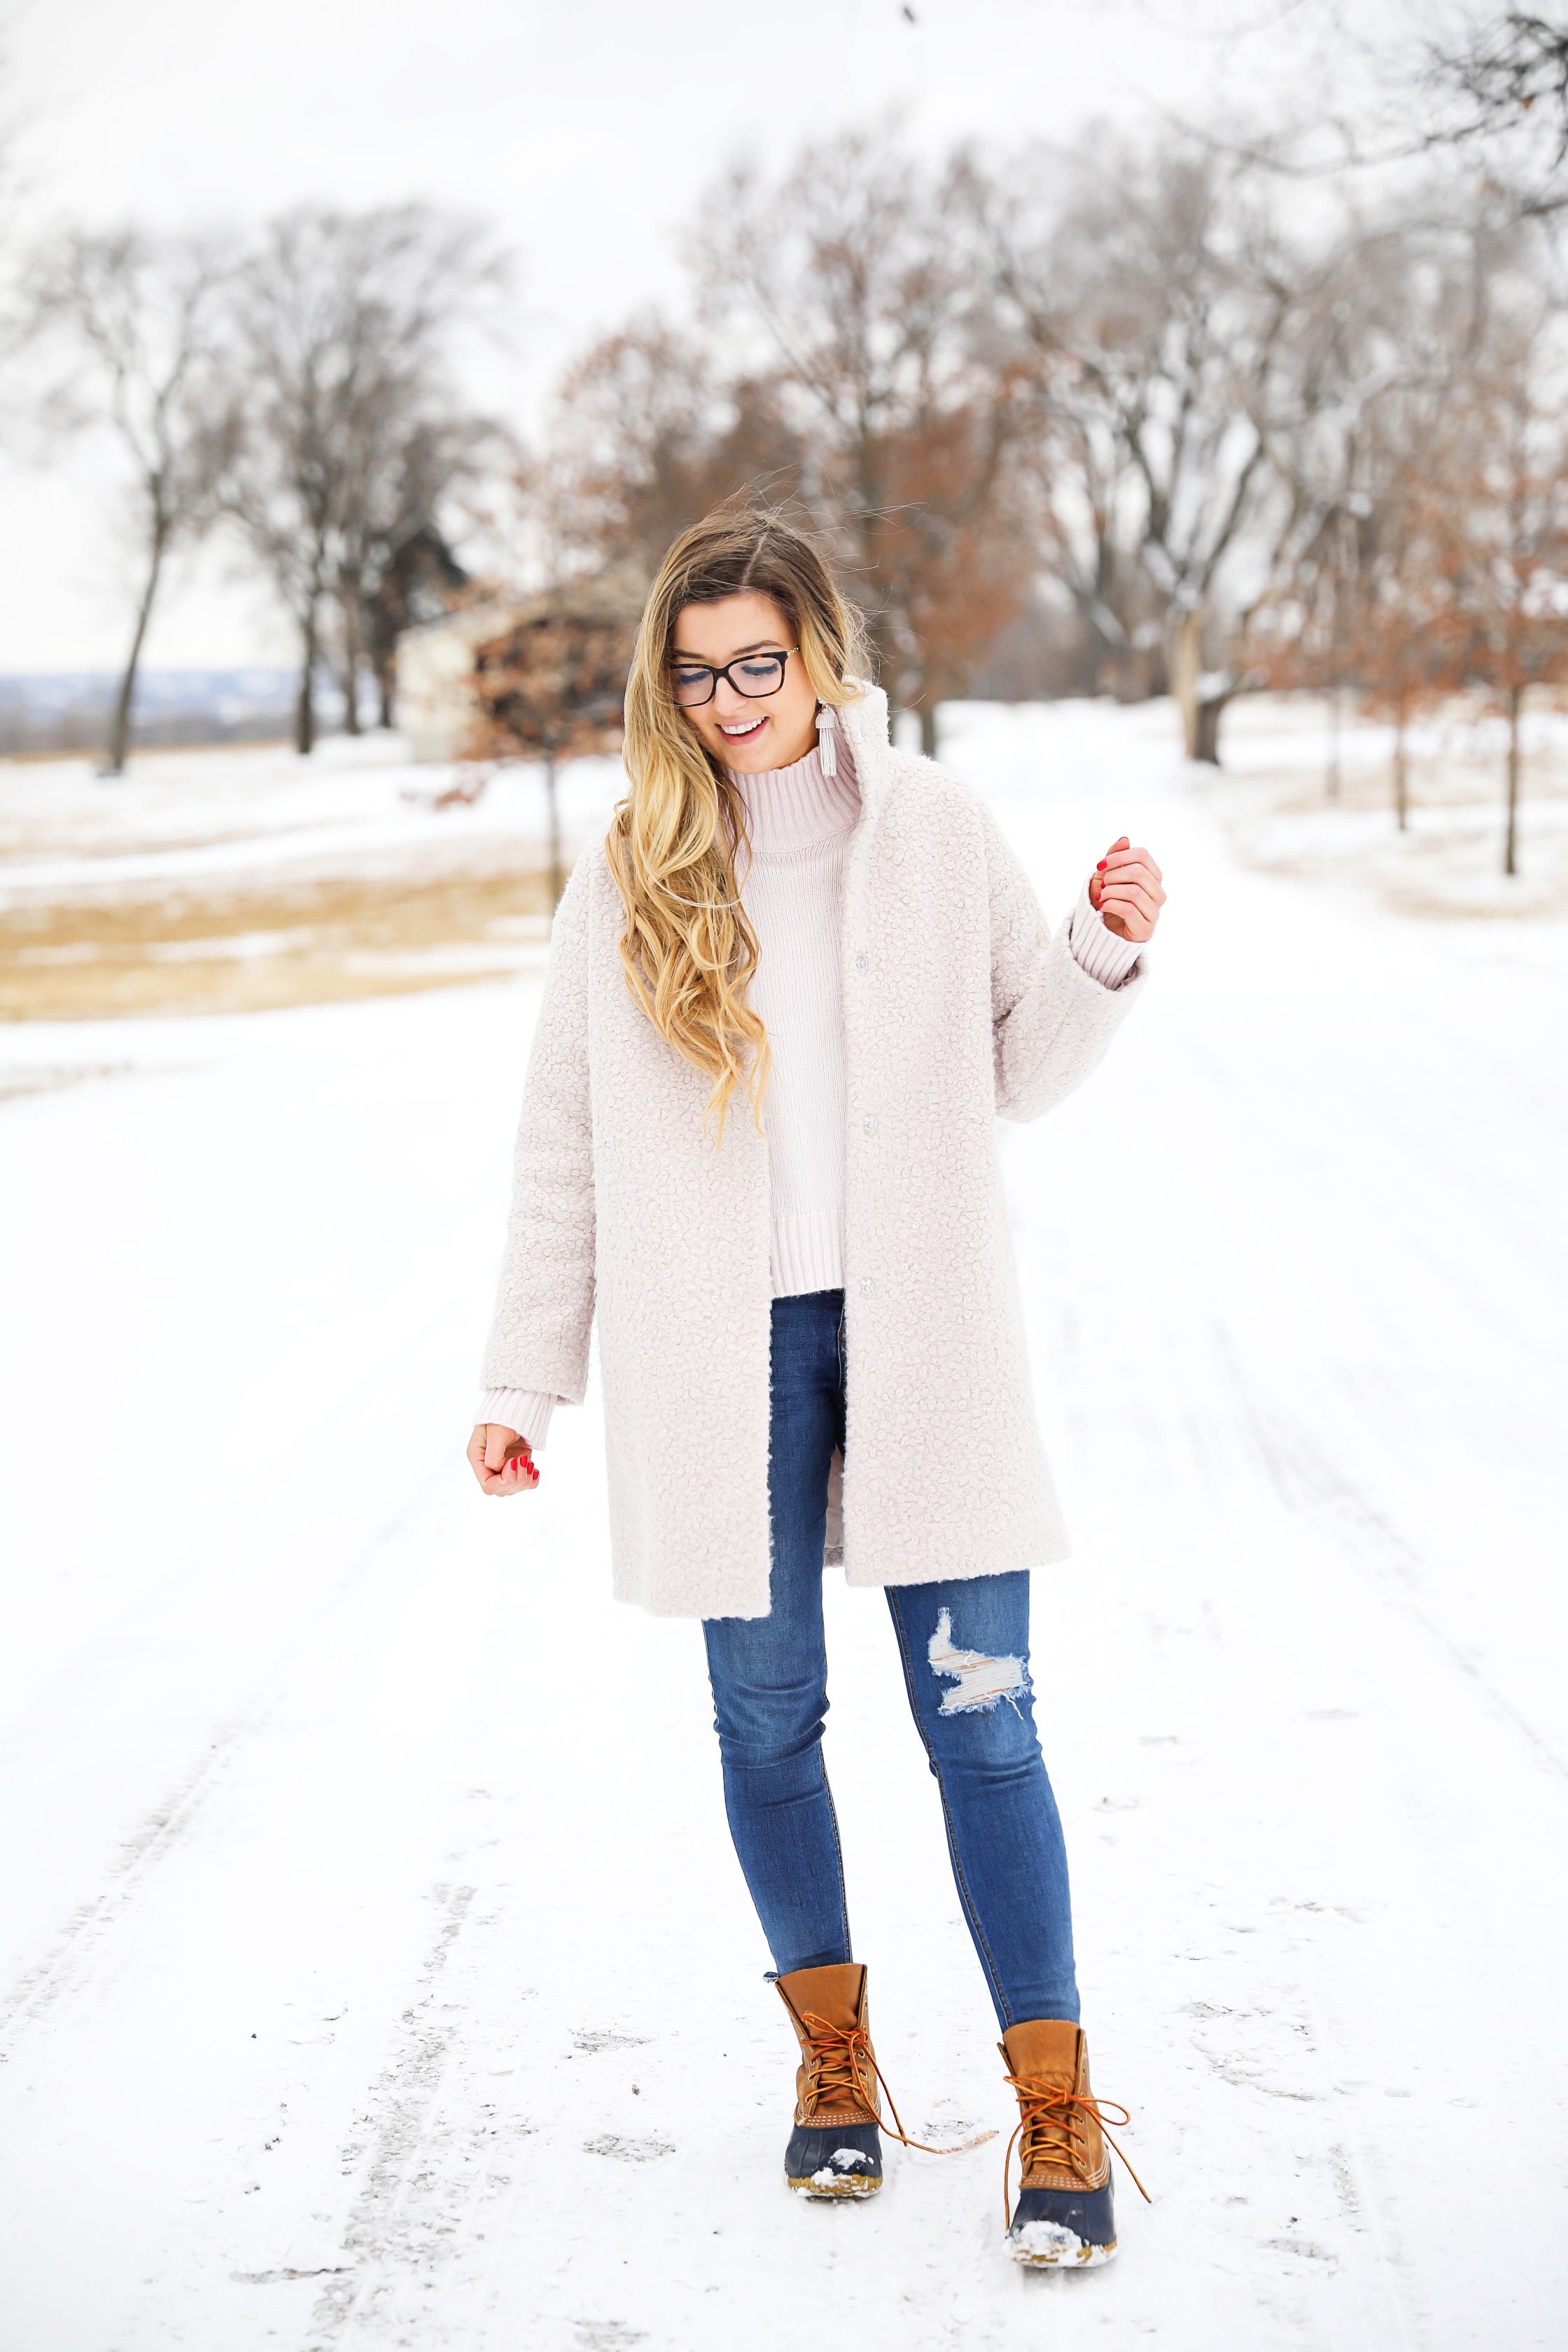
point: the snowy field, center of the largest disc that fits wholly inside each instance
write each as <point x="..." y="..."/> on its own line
<point x="1273" y="798"/>
<point x="248" y="880"/>
<point x="373" y="1967"/>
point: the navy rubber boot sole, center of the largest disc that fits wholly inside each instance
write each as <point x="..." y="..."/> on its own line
<point x="1063" y="2229"/>
<point x="837" y="2160"/>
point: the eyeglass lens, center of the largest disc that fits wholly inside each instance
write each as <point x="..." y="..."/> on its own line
<point x="758" y="674"/>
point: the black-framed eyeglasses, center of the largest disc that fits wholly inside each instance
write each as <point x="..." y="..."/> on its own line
<point x="694" y="683"/>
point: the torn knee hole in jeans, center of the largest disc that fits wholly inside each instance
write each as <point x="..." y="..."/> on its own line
<point x="979" y="1682"/>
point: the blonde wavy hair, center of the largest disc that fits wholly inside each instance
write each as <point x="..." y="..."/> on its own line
<point x="677" y="837"/>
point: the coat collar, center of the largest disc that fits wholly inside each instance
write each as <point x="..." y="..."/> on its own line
<point x="865" y="722"/>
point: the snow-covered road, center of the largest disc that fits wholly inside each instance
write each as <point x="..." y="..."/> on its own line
<point x="373" y="1967"/>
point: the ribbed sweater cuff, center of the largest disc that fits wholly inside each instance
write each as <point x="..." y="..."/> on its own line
<point x="1097" y="951"/>
<point x="526" y="1412"/>
<point x="808" y="1251"/>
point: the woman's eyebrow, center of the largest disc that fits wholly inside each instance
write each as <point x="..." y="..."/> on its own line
<point x="759" y="645"/>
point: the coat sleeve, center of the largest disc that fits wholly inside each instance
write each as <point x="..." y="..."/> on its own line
<point x="544" y="1308"/>
<point x="1051" y="1021"/>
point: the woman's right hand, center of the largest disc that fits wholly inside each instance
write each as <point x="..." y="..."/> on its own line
<point x="503" y="1461"/>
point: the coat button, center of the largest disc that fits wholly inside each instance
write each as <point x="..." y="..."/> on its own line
<point x="860" y="963"/>
<point x="866" y="1286"/>
<point x="870" y="1124"/>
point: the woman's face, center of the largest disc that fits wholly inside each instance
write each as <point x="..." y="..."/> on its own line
<point x="747" y="732"/>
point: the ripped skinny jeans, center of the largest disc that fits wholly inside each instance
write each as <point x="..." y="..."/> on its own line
<point x="965" y="1647"/>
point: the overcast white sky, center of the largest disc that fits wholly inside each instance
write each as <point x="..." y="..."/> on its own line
<point x="585" y="132"/>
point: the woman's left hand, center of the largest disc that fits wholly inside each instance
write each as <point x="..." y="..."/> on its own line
<point x="1125" y="890"/>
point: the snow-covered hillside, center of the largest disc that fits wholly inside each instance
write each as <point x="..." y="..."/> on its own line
<point x="373" y="1967"/>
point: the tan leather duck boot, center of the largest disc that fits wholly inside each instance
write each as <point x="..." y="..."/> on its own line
<point x="1065" y="2215"/>
<point x="836" y="2149"/>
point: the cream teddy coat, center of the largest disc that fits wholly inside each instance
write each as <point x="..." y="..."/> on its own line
<point x="958" y="1003"/>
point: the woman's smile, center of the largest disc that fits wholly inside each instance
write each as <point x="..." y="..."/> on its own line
<point x="748" y="733"/>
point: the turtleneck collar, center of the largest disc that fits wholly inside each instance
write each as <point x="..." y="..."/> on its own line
<point x="799" y="807"/>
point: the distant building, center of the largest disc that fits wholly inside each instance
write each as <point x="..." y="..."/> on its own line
<point x="436" y="705"/>
<point x="437" y="709"/>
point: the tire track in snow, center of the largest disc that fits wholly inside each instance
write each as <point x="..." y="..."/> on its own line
<point x="164" y="1831"/>
<point x="434" y="2154"/>
<point x="173" y="1820"/>
<point x="400" y="2212"/>
<point x="1311" y="1486"/>
<point x="1360" y="2206"/>
<point x="1270" y="2039"/>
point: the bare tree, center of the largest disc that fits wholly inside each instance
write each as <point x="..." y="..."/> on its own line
<point x="852" y="277"/>
<point x="1084" y="502"/>
<point x="651" y="432"/>
<point x="417" y="579"/>
<point x="1429" y="522"/>
<point x="1383" y="345"/>
<point x="141" y="313"/>
<point x="1404" y="604"/>
<point x="343" y="324"/>
<point x="1367" y="352"/>
<point x="1154" y="291"/>
<point x="1384" y="89"/>
<point x="1505" y="469"/>
<point x="1502" y="85"/>
<point x="393" y="554"/>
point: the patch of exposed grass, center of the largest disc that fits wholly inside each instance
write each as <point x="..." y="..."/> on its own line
<point x="253" y="948"/>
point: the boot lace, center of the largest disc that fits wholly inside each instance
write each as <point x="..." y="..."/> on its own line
<point x="842" y="2070"/>
<point x="1049" y="2131"/>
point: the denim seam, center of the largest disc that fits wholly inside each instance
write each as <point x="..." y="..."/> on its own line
<point x="981" y="1945"/>
<point x="848" y="1945"/>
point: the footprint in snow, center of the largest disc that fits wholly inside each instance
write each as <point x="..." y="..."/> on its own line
<point x="591" y="2038"/>
<point x="627" y="2151"/>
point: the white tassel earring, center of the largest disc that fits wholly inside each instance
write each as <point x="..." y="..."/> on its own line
<point x="826" y="749"/>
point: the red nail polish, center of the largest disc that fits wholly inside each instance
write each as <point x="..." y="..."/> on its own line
<point x="1101" y="866"/>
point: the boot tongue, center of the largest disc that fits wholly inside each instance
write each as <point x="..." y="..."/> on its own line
<point x="833" y="1994"/>
<point x="1045" y="2049"/>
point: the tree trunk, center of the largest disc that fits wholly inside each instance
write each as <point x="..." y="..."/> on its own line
<point x="1187" y="668"/>
<point x="1511" y="844"/>
<point x="386" y="692"/>
<point x="928" y="730"/>
<point x="557" y="880"/>
<point x="891" y="659"/>
<point x="305" y="708"/>
<point x="349" y="608"/>
<point x="119" y="744"/>
<point x="1401" y="779"/>
<point x="1206" y="744"/>
<point x="1332" y="778"/>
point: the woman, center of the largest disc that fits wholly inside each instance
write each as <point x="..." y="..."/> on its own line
<point x="788" y="996"/>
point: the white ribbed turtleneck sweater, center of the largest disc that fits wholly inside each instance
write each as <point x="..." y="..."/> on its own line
<point x="799" y="822"/>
